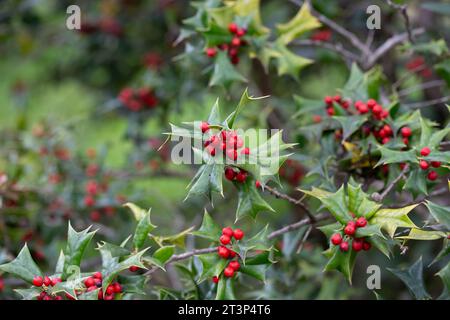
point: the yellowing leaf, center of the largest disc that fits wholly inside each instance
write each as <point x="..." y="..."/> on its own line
<point x="391" y="219"/>
<point x="288" y="62"/>
<point x="302" y="22"/>
<point x="417" y="234"/>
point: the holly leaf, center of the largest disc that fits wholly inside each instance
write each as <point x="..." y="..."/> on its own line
<point x="250" y="202"/>
<point x="224" y="73"/>
<point x="416" y="182"/>
<point x="251" y="8"/>
<point x="343" y="262"/>
<point x="23" y="266"/>
<point x="444" y="274"/>
<point x="412" y="277"/>
<point x="350" y="124"/>
<point x="29" y="294"/>
<point x="359" y="202"/>
<point x="356" y="85"/>
<point x="288" y="62"/>
<point x="243" y="102"/>
<point x="391" y="219"/>
<point x="212" y="265"/>
<point x="209" y="229"/>
<point x="176" y="239"/>
<point x="418" y="234"/>
<point x="255" y="271"/>
<point x="440" y="213"/>
<point x="392" y="156"/>
<point x="257" y="242"/>
<point x="77" y="243"/>
<point x="302" y="22"/>
<point x="161" y="256"/>
<point x="207" y="180"/>
<point x="143" y="228"/>
<point x="225" y="290"/>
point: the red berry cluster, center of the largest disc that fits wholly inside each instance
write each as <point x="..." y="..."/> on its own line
<point x="45" y="283"/>
<point x="233" y="47"/>
<point x="137" y="100"/>
<point x="425" y="165"/>
<point x="321" y="35"/>
<point x="236" y="174"/>
<point x="418" y="64"/>
<point x="226" y="142"/>
<point x="95" y="281"/>
<point x="227" y="253"/>
<point x="343" y="242"/>
<point x="292" y="171"/>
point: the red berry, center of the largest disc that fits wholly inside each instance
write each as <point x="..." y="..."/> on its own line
<point x="361" y="222"/>
<point x="232" y="154"/>
<point x="330" y="111"/>
<point x="371" y="103"/>
<point x="236" y="42"/>
<point x="257" y="184"/>
<point x="227" y="231"/>
<point x="204" y="126"/>
<point x="387" y="129"/>
<point x="337" y="98"/>
<point x="363" y="108"/>
<point x="344" y="246"/>
<point x="317" y="118"/>
<point x="336" y="239"/>
<point x="224" y="239"/>
<point x="241" y="176"/>
<point x="97" y="275"/>
<point x="432" y="175"/>
<point x="377" y="109"/>
<point x="233" y="27"/>
<point x="89" y="201"/>
<point x="349" y="230"/>
<point x="402" y="165"/>
<point x="89" y="282"/>
<point x="425" y="151"/>
<point x="232" y="254"/>
<point x="229" y="173"/>
<point x="109" y="297"/>
<point x="366" y="246"/>
<point x="351" y="223"/>
<point x="435" y="164"/>
<point x="117" y="288"/>
<point x="405" y="141"/>
<point x="38" y="281"/>
<point x="58" y="298"/>
<point x="238" y="234"/>
<point x="228" y="272"/>
<point x="384" y="114"/>
<point x="211" y="52"/>
<point x="95" y="216"/>
<point x="357" y="244"/>
<point x="245" y="151"/>
<point x="55" y="281"/>
<point x="133" y="268"/>
<point x="406" y="132"/>
<point x="385" y="140"/>
<point x="223" y="252"/>
<point x="47" y="281"/>
<point x="345" y="104"/>
<point x="234" y="265"/>
<point x="100" y="295"/>
<point x="423" y="165"/>
<point x="211" y="150"/>
<point x="328" y="100"/>
<point x="215" y="279"/>
<point x="110" y="289"/>
<point x="241" y="32"/>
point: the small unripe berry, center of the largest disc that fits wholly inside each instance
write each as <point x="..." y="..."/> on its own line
<point x="349" y="230"/>
<point x="38" y="281"/>
<point x="361" y="222"/>
<point x="435" y="164"/>
<point x="432" y="175"/>
<point x="234" y="265"/>
<point x="423" y="165"/>
<point x="238" y="234"/>
<point x="357" y="245"/>
<point x="366" y="246"/>
<point x="406" y="132"/>
<point x="344" y="246"/>
<point x="425" y="151"/>
<point x="215" y="279"/>
<point x="227" y="231"/>
<point x="224" y="239"/>
<point x="228" y="272"/>
<point x="223" y="252"/>
<point x="336" y="239"/>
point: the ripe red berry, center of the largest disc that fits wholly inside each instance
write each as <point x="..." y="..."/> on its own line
<point x="238" y="234"/>
<point x="211" y="150"/>
<point x="232" y="254"/>
<point x="117" y="288"/>
<point x="95" y="216"/>
<point x="345" y="104"/>
<point x="328" y="100"/>
<point x="257" y="184"/>
<point x="423" y="165"/>
<point x="337" y="98"/>
<point x="406" y="132"/>
<point x="233" y="27"/>
<point x="361" y="222"/>
<point x="109" y="297"/>
<point x="363" y="108"/>
<point x="234" y="265"/>
<point x="227" y="231"/>
<point x="387" y="129"/>
<point x="236" y="42"/>
<point x="223" y="252"/>
<point x="330" y="111"/>
<point x="55" y="281"/>
<point x="425" y="151"/>
<point x="228" y="272"/>
<point x="89" y="282"/>
<point x="38" y="281"/>
<point x="432" y="175"/>
<point x="204" y="126"/>
<point x="336" y="239"/>
<point x="357" y="244"/>
<point x="229" y="173"/>
<point x="110" y="289"/>
<point x="344" y="246"/>
<point x="133" y="268"/>
<point x="366" y="246"/>
<point x="89" y="201"/>
<point x="349" y="230"/>
<point x="224" y="239"/>
<point x="241" y="32"/>
<point x="245" y="151"/>
<point x="241" y="176"/>
<point x="232" y="154"/>
<point x="97" y="275"/>
<point x="351" y="223"/>
<point x="215" y="279"/>
<point x="47" y="281"/>
<point x="405" y="141"/>
<point x="371" y="103"/>
<point x="435" y="164"/>
<point x="211" y="52"/>
<point x="100" y="295"/>
<point x="377" y="109"/>
<point x="385" y="140"/>
<point x="317" y="118"/>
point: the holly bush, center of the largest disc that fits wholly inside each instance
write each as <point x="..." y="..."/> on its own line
<point x="224" y="150"/>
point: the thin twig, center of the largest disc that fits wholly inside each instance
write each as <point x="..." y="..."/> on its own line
<point x="403" y="8"/>
<point x="422" y="86"/>
<point x="297" y="202"/>
<point x="336" y="47"/>
<point x="379" y="197"/>
<point x="427" y="103"/>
